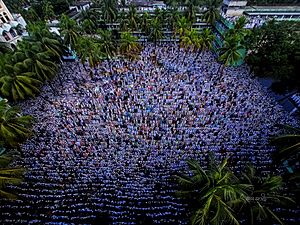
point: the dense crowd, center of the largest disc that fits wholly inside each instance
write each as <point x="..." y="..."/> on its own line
<point x="252" y="21"/>
<point x="106" y="149"/>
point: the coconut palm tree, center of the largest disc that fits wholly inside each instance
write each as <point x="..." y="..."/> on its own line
<point x="123" y="20"/>
<point x="212" y="12"/>
<point x="133" y="18"/>
<point x="69" y="31"/>
<point x="205" y="41"/>
<point x="288" y="144"/>
<point x="48" y="11"/>
<point x="212" y="192"/>
<point x="129" y="46"/>
<point x="191" y="9"/>
<point x="40" y="34"/>
<point x="14" y="128"/>
<point x="182" y="26"/>
<point x="173" y="17"/>
<point x="145" y="23"/>
<point x="189" y="41"/>
<point x="239" y="29"/>
<point x="106" y="42"/>
<point x="263" y="197"/>
<point x="36" y="60"/>
<point x="156" y="31"/>
<point x="8" y="175"/>
<point x="16" y="83"/>
<point x="88" y="26"/>
<point x="109" y="10"/>
<point x="230" y="52"/>
<point x="89" y="50"/>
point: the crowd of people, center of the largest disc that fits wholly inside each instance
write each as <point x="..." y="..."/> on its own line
<point x="107" y="148"/>
<point x="252" y="21"/>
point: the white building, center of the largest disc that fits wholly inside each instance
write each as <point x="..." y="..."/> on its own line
<point x="11" y="26"/>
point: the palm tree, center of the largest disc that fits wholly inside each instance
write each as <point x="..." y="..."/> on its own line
<point x="109" y="10"/>
<point x="191" y="9"/>
<point x="106" y="42"/>
<point x="230" y="52"/>
<point x="289" y="144"/>
<point x="262" y="198"/>
<point x="88" y="26"/>
<point x="213" y="191"/>
<point x="69" y="31"/>
<point x="129" y="46"/>
<point x="36" y="60"/>
<point x="40" y="34"/>
<point x="239" y="29"/>
<point x="14" y="128"/>
<point x="132" y="18"/>
<point x="123" y="20"/>
<point x="173" y="17"/>
<point x="205" y="41"/>
<point x="156" y="32"/>
<point x="16" y="83"/>
<point x="48" y="11"/>
<point x="182" y="26"/>
<point x="189" y="41"/>
<point x="89" y="50"/>
<point x="212" y="12"/>
<point x="107" y="45"/>
<point x="145" y="23"/>
<point x="8" y="175"/>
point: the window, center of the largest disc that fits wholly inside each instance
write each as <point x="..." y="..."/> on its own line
<point x="6" y="16"/>
<point x="5" y="35"/>
<point x="13" y="33"/>
<point x="2" y="18"/>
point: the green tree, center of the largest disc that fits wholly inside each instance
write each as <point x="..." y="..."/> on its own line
<point x="129" y="46"/>
<point x="89" y="50"/>
<point x="145" y="23"/>
<point x="40" y="35"/>
<point x="212" y="192"/>
<point x="182" y="26"/>
<point x="230" y="52"/>
<point x="16" y="83"/>
<point x="239" y="29"/>
<point x="262" y="198"/>
<point x="173" y="17"/>
<point x="156" y="31"/>
<point x="108" y="9"/>
<point x="48" y="11"/>
<point x="14" y="128"/>
<point x="36" y="60"/>
<point x="205" y="41"/>
<point x="212" y="13"/>
<point x="5" y="48"/>
<point x="8" y="175"/>
<point x="88" y="26"/>
<point x="133" y="18"/>
<point x="69" y="31"/>
<point x="274" y="52"/>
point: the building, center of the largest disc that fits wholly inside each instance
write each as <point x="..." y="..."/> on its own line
<point x="234" y="7"/>
<point x="11" y="25"/>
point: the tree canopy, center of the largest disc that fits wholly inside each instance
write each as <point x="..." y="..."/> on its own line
<point x="274" y="51"/>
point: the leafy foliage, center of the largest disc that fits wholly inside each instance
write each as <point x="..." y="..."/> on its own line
<point x="14" y="128"/>
<point x="274" y="51"/>
<point x="8" y="175"/>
